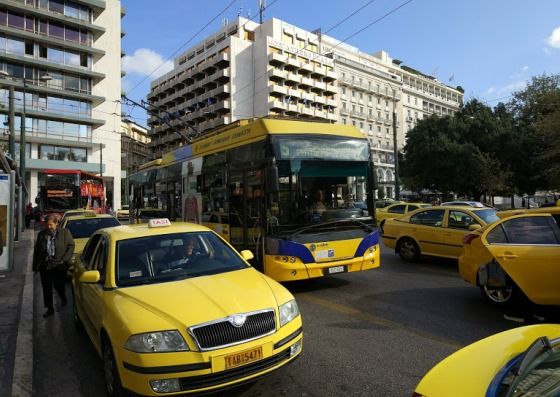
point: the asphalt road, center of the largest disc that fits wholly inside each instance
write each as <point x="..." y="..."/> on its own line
<point x="373" y="333"/>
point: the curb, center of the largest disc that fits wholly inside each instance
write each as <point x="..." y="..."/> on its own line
<point x="22" y="378"/>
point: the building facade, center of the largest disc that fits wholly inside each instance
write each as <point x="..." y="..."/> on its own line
<point x="135" y="151"/>
<point x="276" y="69"/>
<point x="63" y="58"/>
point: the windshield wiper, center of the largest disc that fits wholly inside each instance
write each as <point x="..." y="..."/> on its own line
<point x="322" y="224"/>
<point x="540" y="346"/>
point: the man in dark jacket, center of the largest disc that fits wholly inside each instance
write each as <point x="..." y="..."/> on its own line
<point x="53" y="252"/>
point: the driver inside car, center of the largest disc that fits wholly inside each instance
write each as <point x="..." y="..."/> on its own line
<point x="183" y="255"/>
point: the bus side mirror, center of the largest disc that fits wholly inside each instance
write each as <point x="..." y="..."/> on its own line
<point x="271" y="175"/>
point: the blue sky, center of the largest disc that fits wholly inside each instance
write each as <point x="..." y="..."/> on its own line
<point x="489" y="47"/>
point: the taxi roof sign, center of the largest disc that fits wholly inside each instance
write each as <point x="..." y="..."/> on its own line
<point x="161" y="222"/>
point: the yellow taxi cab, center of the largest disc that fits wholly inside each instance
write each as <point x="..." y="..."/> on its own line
<point x="436" y="231"/>
<point x="523" y="361"/>
<point x="516" y="255"/>
<point x="518" y="211"/>
<point x="174" y="309"/>
<point x="77" y="212"/>
<point x="83" y="226"/>
<point x="396" y="210"/>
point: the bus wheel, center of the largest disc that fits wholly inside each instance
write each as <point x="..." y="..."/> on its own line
<point x="408" y="250"/>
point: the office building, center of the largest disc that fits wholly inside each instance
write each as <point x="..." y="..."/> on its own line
<point x="63" y="58"/>
<point x="134" y="152"/>
<point x="276" y="69"/>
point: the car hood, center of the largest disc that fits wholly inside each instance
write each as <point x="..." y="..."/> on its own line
<point x="475" y="366"/>
<point x="197" y="300"/>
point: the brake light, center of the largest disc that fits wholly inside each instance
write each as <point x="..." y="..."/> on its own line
<point x="469" y="238"/>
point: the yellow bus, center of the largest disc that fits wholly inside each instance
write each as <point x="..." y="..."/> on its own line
<point x="300" y="195"/>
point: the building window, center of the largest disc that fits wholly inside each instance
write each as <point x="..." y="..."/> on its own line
<point x="62" y="153"/>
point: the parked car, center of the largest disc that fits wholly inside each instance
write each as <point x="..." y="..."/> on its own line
<point x="436" y="231"/>
<point x="77" y="212"/>
<point x="516" y="255"/>
<point x="523" y="361"/>
<point x="554" y="211"/>
<point x="168" y="321"/>
<point x="385" y="203"/>
<point x="396" y="210"/>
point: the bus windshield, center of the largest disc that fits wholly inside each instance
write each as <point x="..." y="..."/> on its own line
<point x="319" y="191"/>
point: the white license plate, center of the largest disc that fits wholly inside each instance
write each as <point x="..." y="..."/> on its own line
<point x="336" y="269"/>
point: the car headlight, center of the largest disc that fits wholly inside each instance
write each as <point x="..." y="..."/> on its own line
<point x="288" y="311"/>
<point x="155" y="342"/>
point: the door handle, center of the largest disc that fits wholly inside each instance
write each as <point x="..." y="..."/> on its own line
<point x="507" y="255"/>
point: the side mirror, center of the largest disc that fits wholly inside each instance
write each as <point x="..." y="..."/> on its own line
<point x="474" y="226"/>
<point x="247" y="255"/>
<point x="90" y="277"/>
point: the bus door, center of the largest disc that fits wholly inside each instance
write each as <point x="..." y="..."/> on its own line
<point x="246" y="199"/>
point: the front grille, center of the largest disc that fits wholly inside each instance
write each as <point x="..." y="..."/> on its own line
<point x="201" y="381"/>
<point x="224" y="333"/>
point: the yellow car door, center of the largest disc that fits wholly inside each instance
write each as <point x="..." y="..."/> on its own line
<point x="427" y="228"/>
<point x="456" y="227"/>
<point x="527" y="247"/>
<point x="92" y="293"/>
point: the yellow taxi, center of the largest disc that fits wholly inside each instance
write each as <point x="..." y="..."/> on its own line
<point x="396" y="210"/>
<point x="436" y="231"/>
<point x="516" y="255"/>
<point x="173" y="309"/>
<point x="523" y="361"/>
<point x="77" y="212"/>
<point x="518" y="211"/>
<point x="83" y="226"/>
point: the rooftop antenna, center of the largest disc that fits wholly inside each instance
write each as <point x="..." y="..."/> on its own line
<point x="240" y="11"/>
<point x="262" y="6"/>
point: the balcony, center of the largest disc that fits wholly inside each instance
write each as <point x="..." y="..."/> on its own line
<point x="331" y="103"/>
<point x="306" y="82"/>
<point x="292" y="64"/>
<point x="276" y="105"/>
<point x="330" y="89"/>
<point x="318" y="72"/>
<point x="292" y="79"/>
<point x="222" y="91"/>
<point x="307" y="111"/>
<point x="306" y="67"/>
<point x="332" y="116"/>
<point x="330" y="76"/>
<point x="222" y="60"/>
<point x="277" y="89"/>
<point x="319" y="86"/>
<point x="275" y="74"/>
<point x="276" y="59"/>
<point x="320" y="99"/>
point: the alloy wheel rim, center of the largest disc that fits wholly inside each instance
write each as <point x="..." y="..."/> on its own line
<point x="407" y="250"/>
<point x="498" y="295"/>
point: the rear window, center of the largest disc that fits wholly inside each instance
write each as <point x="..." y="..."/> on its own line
<point x="84" y="228"/>
<point x="487" y="215"/>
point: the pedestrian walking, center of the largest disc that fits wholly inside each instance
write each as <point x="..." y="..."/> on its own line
<point x="53" y="252"/>
<point x="28" y="213"/>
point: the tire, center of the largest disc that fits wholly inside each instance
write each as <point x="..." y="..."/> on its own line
<point x="408" y="249"/>
<point x="112" y="379"/>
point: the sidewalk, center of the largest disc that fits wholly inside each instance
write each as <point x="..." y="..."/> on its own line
<point x="14" y="321"/>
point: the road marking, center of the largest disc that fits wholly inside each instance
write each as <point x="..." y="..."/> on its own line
<point x="22" y="379"/>
<point x="360" y="315"/>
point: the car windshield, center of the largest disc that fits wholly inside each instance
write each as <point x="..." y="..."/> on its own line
<point x="170" y="257"/>
<point x="83" y="228"/>
<point x="535" y="372"/>
<point x="487" y="215"/>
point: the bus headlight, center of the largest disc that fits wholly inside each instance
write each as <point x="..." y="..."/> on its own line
<point x="288" y="311"/>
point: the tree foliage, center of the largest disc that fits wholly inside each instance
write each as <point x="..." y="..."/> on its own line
<point x="512" y="148"/>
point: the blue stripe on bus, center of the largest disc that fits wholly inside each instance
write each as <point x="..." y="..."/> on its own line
<point x="289" y="248"/>
<point x="370" y="240"/>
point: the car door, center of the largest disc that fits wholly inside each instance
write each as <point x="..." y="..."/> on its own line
<point x="527" y="247"/>
<point x="426" y="227"/>
<point x="456" y="226"/>
<point x="92" y="293"/>
<point x="393" y="211"/>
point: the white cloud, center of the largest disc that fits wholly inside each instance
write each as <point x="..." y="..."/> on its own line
<point x="525" y="68"/>
<point x="554" y="39"/>
<point x="146" y="62"/>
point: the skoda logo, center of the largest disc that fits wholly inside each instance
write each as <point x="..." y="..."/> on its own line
<point x="312" y="247"/>
<point x="238" y="320"/>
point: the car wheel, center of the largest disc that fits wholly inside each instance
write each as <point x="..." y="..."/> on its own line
<point x="498" y="296"/>
<point x="112" y="379"/>
<point x="76" y="317"/>
<point x="408" y="249"/>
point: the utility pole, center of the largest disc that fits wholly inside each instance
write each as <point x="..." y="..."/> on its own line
<point x="22" y="170"/>
<point x="11" y="123"/>
<point x="395" y="148"/>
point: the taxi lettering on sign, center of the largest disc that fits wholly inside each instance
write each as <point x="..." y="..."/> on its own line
<point x="163" y="222"/>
